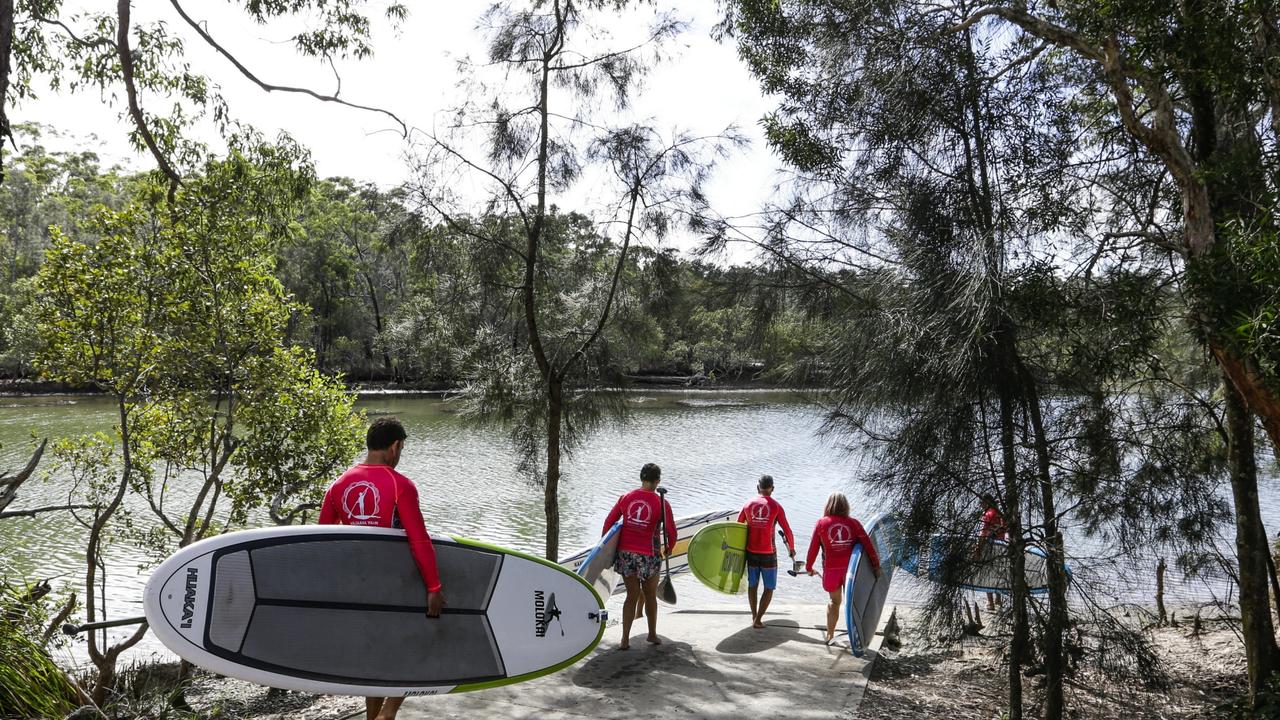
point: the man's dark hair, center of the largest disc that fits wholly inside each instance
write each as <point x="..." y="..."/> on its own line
<point x="383" y="433"/>
<point x="766" y="482"/>
<point x="650" y="473"/>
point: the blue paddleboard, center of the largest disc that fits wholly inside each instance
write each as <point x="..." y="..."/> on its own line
<point x="864" y="593"/>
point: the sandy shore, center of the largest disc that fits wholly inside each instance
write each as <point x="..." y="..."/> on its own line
<point x="926" y="677"/>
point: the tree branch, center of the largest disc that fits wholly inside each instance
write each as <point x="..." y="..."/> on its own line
<point x="1160" y="137"/>
<point x="1041" y="28"/>
<point x="131" y="90"/>
<point x="269" y="87"/>
<point x="613" y="284"/>
<point x="98" y="42"/>
<point x="9" y="483"/>
<point x="58" y="619"/>
<point x="49" y="508"/>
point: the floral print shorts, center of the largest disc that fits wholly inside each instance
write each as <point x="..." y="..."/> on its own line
<point x="629" y="564"/>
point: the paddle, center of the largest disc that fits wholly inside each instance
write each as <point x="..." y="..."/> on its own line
<point x="666" y="591"/>
<point x="796" y="565"/>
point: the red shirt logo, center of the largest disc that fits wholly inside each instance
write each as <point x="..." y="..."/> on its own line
<point x="839" y="535"/>
<point x="639" y="512"/>
<point x="760" y="514"/>
<point x="360" y="501"/>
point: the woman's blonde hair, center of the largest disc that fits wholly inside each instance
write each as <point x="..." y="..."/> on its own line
<point x="837" y="504"/>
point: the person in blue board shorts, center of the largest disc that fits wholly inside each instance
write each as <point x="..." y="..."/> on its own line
<point x="760" y="514"/>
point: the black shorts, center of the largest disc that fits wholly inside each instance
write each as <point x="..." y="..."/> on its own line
<point x="762" y="560"/>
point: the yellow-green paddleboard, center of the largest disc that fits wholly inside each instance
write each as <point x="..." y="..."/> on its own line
<point x="718" y="556"/>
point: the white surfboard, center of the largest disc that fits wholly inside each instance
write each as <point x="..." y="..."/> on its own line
<point x="864" y="593"/>
<point x="608" y="582"/>
<point x="342" y="610"/>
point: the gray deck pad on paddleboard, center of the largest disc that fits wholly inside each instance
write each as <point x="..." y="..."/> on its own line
<point x="297" y="622"/>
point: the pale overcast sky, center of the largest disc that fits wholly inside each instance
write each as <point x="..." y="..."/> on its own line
<point x="413" y="73"/>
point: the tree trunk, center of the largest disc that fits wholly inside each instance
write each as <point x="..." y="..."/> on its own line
<point x="1018" y="646"/>
<point x="103" y="657"/>
<point x="1275" y="582"/>
<point x="1055" y="701"/>
<point x="1161" y="615"/>
<point x="6" y="55"/>
<point x="1252" y="551"/>
<point x="551" y="488"/>
<point x="377" y="322"/>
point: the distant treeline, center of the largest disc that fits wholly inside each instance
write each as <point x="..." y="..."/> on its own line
<point x="390" y="297"/>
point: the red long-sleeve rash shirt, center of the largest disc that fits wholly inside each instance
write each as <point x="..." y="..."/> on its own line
<point x="378" y="496"/>
<point x="638" y="511"/>
<point x="992" y="525"/>
<point x="836" y="536"/>
<point x="760" y="514"/>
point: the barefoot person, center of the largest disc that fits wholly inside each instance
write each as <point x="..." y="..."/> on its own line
<point x="639" y="557"/>
<point x="761" y="514"/>
<point x="836" y="533"/>
<point x="374" y="494"/>
<point x="992" y="529"/>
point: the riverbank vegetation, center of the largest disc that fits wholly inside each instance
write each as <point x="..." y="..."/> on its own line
<point x="387" y="291"/>
<point x="1023" y="252"/>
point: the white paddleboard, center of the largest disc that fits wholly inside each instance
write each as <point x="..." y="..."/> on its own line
<point x="990" y="573"/>
<point x="864" y="594"/>
<point x="342" y="610"/>
<point x="608" y="582"/>
<point x="597" y="567"/>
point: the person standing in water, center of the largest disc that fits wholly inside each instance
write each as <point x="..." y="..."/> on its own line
<point x="836" y="533"/>
<point x="639" y="556"/>
<point x="761" y="514"/>
<point x="373" y="494"/>
<point x="992" y="529"/>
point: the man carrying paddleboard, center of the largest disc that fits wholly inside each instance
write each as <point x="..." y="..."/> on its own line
<point x="760" y="515"/>
<point x="374" y="494"/>
<point x="638" y="559"/>
<point x="835" y="534"/>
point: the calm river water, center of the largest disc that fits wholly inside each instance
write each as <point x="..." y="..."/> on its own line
<point x="712" y="447"/>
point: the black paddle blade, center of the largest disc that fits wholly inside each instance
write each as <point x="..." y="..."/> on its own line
<point x="667" y="591"/>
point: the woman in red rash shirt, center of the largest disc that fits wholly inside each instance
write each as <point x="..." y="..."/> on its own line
<point x="836" y="533"/>
<point x="638" y="559"/>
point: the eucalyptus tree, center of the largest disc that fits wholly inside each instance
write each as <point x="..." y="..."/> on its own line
<point x="173" y="311"/>
<point x="934" y="196"/>
<point x="544" y="138"/>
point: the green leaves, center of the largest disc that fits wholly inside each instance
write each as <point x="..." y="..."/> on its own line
<point x="175" y="310"/>
<point x="298" y="431"/>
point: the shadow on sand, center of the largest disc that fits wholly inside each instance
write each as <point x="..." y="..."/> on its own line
<point x="775" y="632"/>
